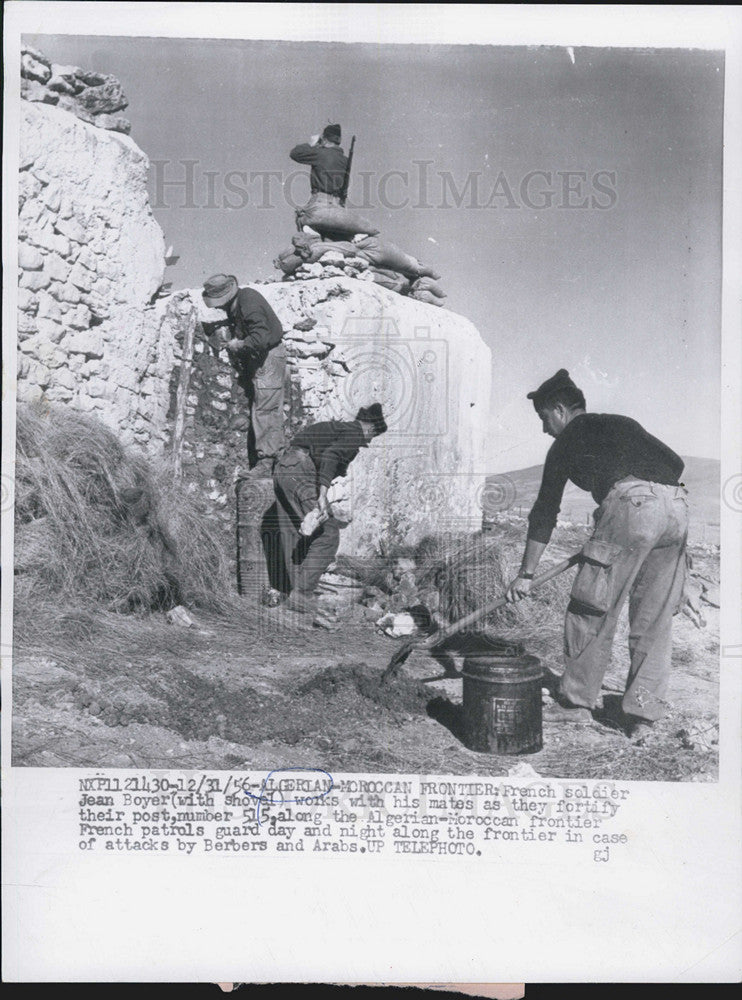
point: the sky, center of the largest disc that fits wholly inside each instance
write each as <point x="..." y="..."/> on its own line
<point x="618" y="279"/>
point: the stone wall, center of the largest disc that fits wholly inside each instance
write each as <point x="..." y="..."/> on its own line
<point x="91" y="259"/>
<point x="349" y="343"/>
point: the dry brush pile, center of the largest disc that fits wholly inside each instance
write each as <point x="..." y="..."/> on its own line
<point x="456" y="574"/>
<point x="96" y="524"/>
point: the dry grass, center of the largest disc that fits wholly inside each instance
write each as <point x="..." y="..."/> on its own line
<point x="469" y="571"/>
<point x="97" y="524"/>
<point x="478" y="573"/>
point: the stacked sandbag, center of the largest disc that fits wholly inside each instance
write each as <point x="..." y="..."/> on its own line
<point x="311" y="248"/>
<point x="315" y="253"/>
<point x="385" y="255"/>
<point x="392" y="280"/>
<point x="425" y="289"/>
<point x="288" y="261"/>
<point x="333" y="221"/>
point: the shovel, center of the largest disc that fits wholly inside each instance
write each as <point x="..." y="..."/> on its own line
<point x="415" y="642"/>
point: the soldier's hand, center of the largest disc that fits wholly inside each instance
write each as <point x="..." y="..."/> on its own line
<point x="518" y="589"/>
<point x="313" y="140"/>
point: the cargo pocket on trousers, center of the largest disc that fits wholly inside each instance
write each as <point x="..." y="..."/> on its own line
<point x="592" y="591"/>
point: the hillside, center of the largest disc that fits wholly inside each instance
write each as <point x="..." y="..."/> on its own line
<point x="701" y="477"/>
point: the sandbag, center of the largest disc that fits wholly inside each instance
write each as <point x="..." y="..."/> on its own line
<point x="334" y="219"/>
<point x="428" y="285"/>
<point x="288" y="261"/>
<point x="303" y="243"/>
<point x="387" y="255"/>
<point x="321" y="247"/>
<point x="392" y="280"/>
<point x="428" y="297"/>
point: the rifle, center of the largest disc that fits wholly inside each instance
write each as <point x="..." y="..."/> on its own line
<point x="346" y="177"/>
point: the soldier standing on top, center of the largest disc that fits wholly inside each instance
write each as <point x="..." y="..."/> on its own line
<point x="329" y="164"/>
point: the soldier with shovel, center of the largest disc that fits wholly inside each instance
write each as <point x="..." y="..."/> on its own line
<point x="637" y="550"/>
<point x="258" y="354"/>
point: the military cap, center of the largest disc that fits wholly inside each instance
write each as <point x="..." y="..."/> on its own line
<point x="560" y="380"/>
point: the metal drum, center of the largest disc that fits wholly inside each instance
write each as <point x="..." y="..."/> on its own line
<point x="502" y="700"/>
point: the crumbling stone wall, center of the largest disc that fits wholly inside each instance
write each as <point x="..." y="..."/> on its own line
<point x="94" y="97"/>
<point x="91" y="260"/>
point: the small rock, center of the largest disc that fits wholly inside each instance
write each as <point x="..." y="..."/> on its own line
<point x="34" y="280"/>
<point x="27" y="301"/>
<point x="64" y="80"/>
<point x="333" y="257"/>
<point x="32" y="90"/>
<point x="305" y="324"/>
<point x="35" y="65"/>
<point x="30" y="258"/>
<point x="72" y="229"/>
<point x="179" y="616"/>
<point x="103" y="98"/>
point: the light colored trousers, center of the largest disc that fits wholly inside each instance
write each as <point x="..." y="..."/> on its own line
<point x="637" y="552"/>
<point x="297" y="490"/>
<point x="266" y="395"/>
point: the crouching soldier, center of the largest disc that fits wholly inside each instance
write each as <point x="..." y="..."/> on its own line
<point x="637" y="550"/>
<point x="257" y="353"/>
<point x="328" y="162"/>
<point x="301" y="478"/>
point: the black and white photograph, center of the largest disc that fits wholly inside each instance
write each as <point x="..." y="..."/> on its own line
<point x="318" y="360"/>
<point x="328" y="355"/>
<point x="371" y="489"/>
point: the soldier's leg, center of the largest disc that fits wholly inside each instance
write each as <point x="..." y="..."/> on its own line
<point x="320" y="552"/>
<point x="267" y="404"/>
<point x="654" y="599"/>
<point x="630" y="522"/>
<point x="295" y="487"/>
<point x="588" y="635"/>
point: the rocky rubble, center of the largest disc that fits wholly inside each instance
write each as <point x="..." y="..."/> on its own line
<point x="313" y="255"/>
<point x="96" y="98"/>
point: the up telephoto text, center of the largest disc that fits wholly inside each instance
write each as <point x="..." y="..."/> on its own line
<point x="237" y="815"/>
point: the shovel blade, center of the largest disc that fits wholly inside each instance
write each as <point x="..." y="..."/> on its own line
<point x="399" y="657"/>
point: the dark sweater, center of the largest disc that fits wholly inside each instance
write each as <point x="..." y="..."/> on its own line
<point x="328" y="166"/>
<point x="333" y="444"/>
<point x="252" y="320"/>
<point x="595" y="451"/>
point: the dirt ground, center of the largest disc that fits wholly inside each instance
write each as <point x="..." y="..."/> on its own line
<point x="103" y="690"/>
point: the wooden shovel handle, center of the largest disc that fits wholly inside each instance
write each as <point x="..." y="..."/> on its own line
<point x="446" y="633"/>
